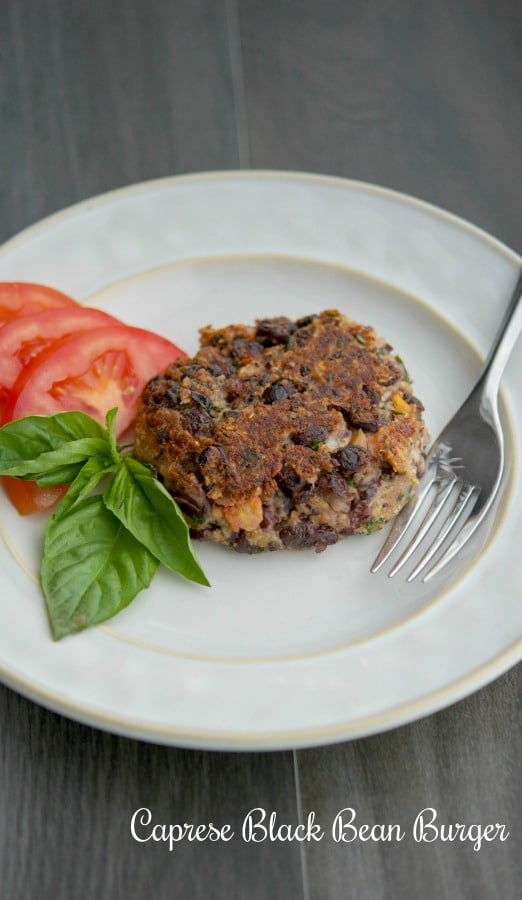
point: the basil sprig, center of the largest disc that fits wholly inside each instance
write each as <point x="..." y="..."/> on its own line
<point x="112" y="528"/>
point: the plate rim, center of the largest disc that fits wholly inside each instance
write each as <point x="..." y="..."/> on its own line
<point x="279" y="740"/>
<point x="268" y="174"/>
<point x="349" y="729"/>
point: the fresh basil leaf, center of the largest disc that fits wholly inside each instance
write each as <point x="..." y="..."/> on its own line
<point x="56" y="466"/>
<point x="146" y="508"/>
<point x="102" y="550"/>
<point x="87" y="480"/>
<point x="59" y="466"/>
<point x="27" y="438"/>
<point x="40" y="445"/>
<point x="92" y="567"/>
<point x="111" y="432"/>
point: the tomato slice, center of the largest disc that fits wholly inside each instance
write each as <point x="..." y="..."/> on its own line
<point x="93" y="371"/>
<point x="25" y="337"/>
<point x="23" y="298"/>
<point x="28" y="498"/>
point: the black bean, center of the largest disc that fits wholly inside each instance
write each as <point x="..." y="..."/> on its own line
<point x="350" y="459"/>
<point x="332" y="483"/>
<point x="204" y="456"/>
<point x="215" y="452"/>
<point x="303" y="494"/>
<point x="194" y="420"/>
<point x="305" y="320"/>
<point x="193" y="503"/>
<point x="278" y="391"/>
<point x="311" y="436"/>
<point x="173" y="394"/>
<point x="367" y="419"/>
<point x="306" y="534"/>
<point x="288" y="479"/>
<point x="162" y="392"/>
<point x="243" y="350"/>
<point x="360" y="514"/>
<point x="274" y="331"/>
<point x="154" y="382"/>
<point x="297" y="535"/>
<point x="192" y="368"/>
<point x="410" y="398"/>
<point x="274" y="393"/>
<point x="299" y="338"/>
<point x="325" y="536"/>
<point x="201" y="400"/>
<point x="370" y="392"/>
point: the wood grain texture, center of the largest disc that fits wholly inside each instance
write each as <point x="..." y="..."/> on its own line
<point x="94" y="96"/>
<point x="68" y="793"/>
<point x="464" y="763"/>
<point x="421" y="97"/>
<point x="98" y="95"/>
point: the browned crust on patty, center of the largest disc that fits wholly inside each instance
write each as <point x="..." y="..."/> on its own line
<point x="284" y="434"/>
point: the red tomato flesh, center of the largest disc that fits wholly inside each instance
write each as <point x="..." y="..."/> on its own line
<point x="21" y="298"/>
<point x="28" y="498"/>
<point x="93" y="371"/>
<point x="26" y="336"/>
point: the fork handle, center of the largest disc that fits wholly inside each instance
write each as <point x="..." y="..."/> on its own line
<point x="505" y="339"/>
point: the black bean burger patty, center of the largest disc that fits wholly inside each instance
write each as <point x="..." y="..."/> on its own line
<point x="285" y="434"/>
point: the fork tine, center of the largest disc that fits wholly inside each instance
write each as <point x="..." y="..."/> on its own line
<point x="401" y="523"/>
<point x="445" y="489"/>
<point x="456" y="546"/>
<point x="467" y="492"/>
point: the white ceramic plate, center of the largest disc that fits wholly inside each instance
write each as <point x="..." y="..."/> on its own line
<point x="285" y="649"/>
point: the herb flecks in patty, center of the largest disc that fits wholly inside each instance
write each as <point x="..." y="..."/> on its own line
<point x="285" y="434"/>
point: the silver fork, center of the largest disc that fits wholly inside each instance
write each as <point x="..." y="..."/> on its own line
<point x="464" y="469"/>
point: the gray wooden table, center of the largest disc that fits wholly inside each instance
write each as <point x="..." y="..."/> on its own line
<point x="421" y="97"/>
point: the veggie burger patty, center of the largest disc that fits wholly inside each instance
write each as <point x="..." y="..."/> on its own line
<point x="285" y="434"/>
